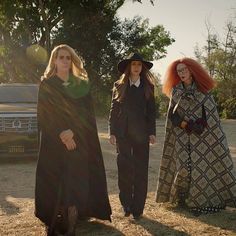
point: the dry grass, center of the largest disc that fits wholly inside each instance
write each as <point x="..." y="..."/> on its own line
<point x="17" y="201"/>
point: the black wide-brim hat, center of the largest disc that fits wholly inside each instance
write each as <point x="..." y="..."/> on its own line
<point x="133" y="57"/>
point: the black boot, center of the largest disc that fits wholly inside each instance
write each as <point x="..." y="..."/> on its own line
<point x="127" y="211"/>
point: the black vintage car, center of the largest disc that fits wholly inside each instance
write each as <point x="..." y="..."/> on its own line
<point x="18" y="120"/>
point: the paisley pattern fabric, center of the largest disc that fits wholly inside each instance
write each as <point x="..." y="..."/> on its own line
<point x="196" y="167"/>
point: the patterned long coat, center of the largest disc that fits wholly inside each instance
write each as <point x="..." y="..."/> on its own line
<point x="197" y="166"/>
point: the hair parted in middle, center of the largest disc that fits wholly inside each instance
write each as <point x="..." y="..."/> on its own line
<point x="77" y="67"/>
<point x="123" y="82"/>
<point x="200" y="76"/>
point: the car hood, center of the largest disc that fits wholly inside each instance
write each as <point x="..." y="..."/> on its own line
<point x="18" y="107"/>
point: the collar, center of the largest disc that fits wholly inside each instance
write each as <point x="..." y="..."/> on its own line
<point x="136" y="84"/>
<point x="191" y="93"/>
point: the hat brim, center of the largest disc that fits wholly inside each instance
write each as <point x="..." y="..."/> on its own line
<point x="123" y="64"/>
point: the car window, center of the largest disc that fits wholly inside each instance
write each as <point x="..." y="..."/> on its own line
<point x="18" y="94"/>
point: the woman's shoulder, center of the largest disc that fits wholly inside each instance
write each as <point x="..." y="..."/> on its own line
<point x="47" y="81"/>
<point x="44" y="88"/>
<point x="49" y="85"/>
<point x="209" y="95"/>
<point x="176" y="91"/>
<point x="118" y="83"/>
<point x="43" y="83"/>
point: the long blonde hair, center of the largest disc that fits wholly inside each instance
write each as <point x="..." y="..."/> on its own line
<point x="77" y="67"/>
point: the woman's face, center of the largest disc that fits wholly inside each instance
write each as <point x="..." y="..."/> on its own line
<point x="136" y="68"/>
<point x="63" y="61"/>
<point x="184" y="73"/>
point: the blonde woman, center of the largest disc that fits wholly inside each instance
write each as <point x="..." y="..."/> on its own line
<point x="70" y="176"/>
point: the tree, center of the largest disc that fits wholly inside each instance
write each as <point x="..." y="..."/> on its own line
<point x="24" y="23"/>
<point x="219" y="57"/>
<point x="91" y="27"/>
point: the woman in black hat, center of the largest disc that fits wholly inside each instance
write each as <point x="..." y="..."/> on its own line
<point x="132" y="127"/>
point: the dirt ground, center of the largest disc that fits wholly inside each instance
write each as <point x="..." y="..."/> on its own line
<point x="17" y="200"/>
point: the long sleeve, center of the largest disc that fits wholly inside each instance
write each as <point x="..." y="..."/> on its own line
<point x="151" y="115"/>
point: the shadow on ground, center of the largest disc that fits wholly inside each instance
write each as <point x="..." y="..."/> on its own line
<point x="156" y="228"/>
<point x="224" y="219"/>
<point x="94" y="227"/>
<point x="17" y="181"/>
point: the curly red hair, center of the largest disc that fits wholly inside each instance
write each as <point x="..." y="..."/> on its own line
<point x="202" y="79"/>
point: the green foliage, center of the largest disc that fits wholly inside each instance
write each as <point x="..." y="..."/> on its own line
<point x="229" y="111"/>
<point x="219" y="57"/>
<point x="163" y="105"/>
<point x="136" y="35"/>
<point x="22" y="24"/>
<point x="91" y="27"/>
<point x="161" y="100"/>
<point x="224" y="92"/>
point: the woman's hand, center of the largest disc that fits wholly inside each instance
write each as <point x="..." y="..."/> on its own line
<point x="183" y="124"/>
<point x="152" y="139"/>
<point x="66" y="136"/>
<point x="70" y="145"/>
<point x="112" y="139"/>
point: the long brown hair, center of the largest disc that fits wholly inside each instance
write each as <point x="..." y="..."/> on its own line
<point x="77" y="67"/>
<point x="203" y="80"/>
<point x="123" y="82"/>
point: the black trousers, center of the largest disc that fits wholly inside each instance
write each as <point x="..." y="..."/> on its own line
<point x="132" y="162"/>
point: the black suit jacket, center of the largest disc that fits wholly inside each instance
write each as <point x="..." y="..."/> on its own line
<point x="118" y="119"/>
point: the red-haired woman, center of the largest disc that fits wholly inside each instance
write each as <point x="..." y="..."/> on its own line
<point x="132" y="127"/>
<point x="196" y="168"/>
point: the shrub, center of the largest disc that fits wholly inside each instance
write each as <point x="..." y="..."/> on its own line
<point x="229" y="109"/>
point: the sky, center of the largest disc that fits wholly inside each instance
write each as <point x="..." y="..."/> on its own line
<point x="185" y="20"/>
